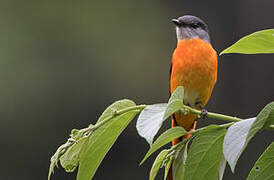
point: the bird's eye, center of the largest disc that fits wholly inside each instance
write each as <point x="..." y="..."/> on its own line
<point x="194" y="25"/>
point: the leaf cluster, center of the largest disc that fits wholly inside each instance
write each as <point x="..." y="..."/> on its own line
<point x="211" y="146"/>
<point x="203" y="156"/>
<point x="87" y="147"/>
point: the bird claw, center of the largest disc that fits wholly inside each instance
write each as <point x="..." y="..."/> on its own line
<point x="204" y="114"/>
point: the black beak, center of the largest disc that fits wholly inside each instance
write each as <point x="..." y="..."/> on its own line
<point x="176" y="22"/>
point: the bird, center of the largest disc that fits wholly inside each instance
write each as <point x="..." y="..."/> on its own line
<point x="194" y="66"/>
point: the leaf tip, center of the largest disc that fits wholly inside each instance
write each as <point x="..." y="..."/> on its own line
<point x="225" y="51"/>
<point x="221" y="53"/>
<point x="140" y="164"/>
<point x="232" y="167"/>
<point x="50" y="171"/>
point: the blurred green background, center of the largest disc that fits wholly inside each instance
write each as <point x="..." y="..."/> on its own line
<point x="63" y="62"/>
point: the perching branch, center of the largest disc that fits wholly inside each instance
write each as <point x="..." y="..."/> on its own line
<point x="211" y="115"/>
<point x="187" y="109"/>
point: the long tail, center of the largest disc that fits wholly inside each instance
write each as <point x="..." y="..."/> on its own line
<point x="176" y="141"/>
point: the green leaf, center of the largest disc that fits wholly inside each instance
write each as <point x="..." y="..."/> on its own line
<point x="167" y="166"/>
<point x="102" y="139"/>
<point x="173" y="107"/>
<point x="175" y="102"/>
<point x="70" y="159"/>
<point x="205" y="155"/>
<point x="255" y="43"/>
<point x="178" y="94"/>
<point x="157" y="164"/>
<point x="240" y="133"/>
<point x="116" y="106"/>
<point x="178" y="167"/>
<point x="264" y="167"/>
<point x="165" y="138"/>
<point x="222" y="168"/>
<point x="150" y="121"/>
<point x="236" y="140"/>
<point x="266" y="116"/>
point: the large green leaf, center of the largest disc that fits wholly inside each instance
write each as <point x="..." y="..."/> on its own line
<point x="236" y="141"/>
<point x="240" y="133"/>
<point x="165" y="138"/>
<point x="178" y="167"/>
<point x="264" y="167"/>
<point x="71" y="158"/>
<point x="150" y="121"/>
<point x="101" y="140"/>
<point x="157" y="164"/>
<point x="175" y="102"/>
<point x="255" y="43"/>
<point x="205" y="155"/>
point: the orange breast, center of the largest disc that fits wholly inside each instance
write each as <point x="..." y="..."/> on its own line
<point x="194" y="66"/>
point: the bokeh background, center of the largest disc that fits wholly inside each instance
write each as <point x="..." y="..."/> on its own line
<point x="63" y="62"/>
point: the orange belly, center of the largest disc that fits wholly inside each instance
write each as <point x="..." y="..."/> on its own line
<point x="194" y="66"/>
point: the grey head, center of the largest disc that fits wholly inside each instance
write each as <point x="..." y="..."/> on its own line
<point x="188" y="27"/>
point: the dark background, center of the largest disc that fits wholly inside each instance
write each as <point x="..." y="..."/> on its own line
<point x="63" y="62"/>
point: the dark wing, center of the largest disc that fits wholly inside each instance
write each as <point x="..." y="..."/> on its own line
<point x="170" y="71"/>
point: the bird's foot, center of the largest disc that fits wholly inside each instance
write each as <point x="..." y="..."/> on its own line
<point x="203" y="114"/>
